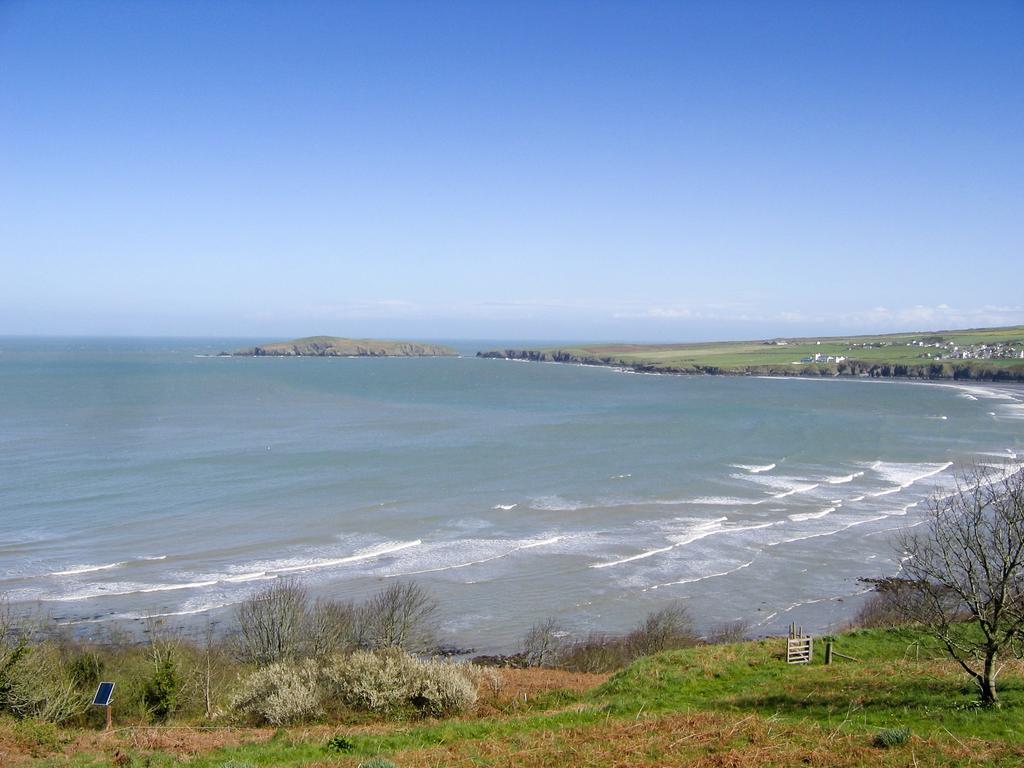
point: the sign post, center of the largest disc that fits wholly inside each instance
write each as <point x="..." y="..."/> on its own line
<point x="103" y="698"/>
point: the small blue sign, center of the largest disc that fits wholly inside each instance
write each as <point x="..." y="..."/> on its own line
<point x="103" y="695"/>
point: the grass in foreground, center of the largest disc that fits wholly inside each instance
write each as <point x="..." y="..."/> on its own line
<point x="730" y="705"/>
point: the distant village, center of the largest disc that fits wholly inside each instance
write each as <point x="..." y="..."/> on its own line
<point x="944" y="350"/>
<point x="950" y="351"/>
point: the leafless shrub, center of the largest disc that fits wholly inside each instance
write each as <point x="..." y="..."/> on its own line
<point x="331" y="628"/>
<point x="728" y="632"/>
<point x="271" y="623"/>
<point x="889" y="605"/>
<point x="543" y="643"/>
<point x="399" y="616"/>
<point x="667" y="628"/>
<point x="596" y="653"/>
<point x="662" y="630"/>
<point x="211" y="671"/>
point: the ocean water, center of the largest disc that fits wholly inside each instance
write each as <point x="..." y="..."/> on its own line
<point x="146" y="478"/>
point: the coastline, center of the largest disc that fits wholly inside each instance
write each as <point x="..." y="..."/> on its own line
<point x="898" y="372"/>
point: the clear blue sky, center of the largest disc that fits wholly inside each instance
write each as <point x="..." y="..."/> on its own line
<point x="592" y="170"/>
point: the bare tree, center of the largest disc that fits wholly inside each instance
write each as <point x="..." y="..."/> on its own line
<point x="668" y="627"/>
<point x="543" y="643"/>
<point x="399" y="616"/>
<point x="728" y="632"/>
<point x="965" y="570"/>
<point x="272" y="623"/>
<point x="331" y="628"/>
<point x="211" y="671"/>
<point x="206" y="671"/>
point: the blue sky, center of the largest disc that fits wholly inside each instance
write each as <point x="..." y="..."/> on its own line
<point x="590" y="170"/>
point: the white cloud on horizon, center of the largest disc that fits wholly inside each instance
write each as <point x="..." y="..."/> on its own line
<point x="579" y="313"/>
<point x="916" y="317"/>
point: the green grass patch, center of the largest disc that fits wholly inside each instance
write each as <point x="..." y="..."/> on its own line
<point x="902" y="685"/>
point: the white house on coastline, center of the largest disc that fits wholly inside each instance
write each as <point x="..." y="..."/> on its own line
<point x="822" y="358"/>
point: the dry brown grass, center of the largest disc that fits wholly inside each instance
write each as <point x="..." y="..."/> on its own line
<point x="514" y="690"/>
<point x="517" y="688"/>
<point x="183" y="742"/>
<point x="702" y="740"/>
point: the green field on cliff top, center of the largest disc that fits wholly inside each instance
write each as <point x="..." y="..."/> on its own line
<point x="789" y="354"/>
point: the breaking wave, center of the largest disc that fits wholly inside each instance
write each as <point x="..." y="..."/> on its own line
<point x="755" y="468"/>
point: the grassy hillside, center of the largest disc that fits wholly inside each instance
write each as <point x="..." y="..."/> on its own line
<point x="932" y="354"/>
<point x="336" y="346"/>
<point x="729" y="705"/>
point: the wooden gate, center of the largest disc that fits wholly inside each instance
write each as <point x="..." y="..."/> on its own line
<point x="799" y="650"/>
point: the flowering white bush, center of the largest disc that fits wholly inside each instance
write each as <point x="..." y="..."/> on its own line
<point x="441" y="689"/>
<point x="378" y="682"/>
<point x="280" y="694"/>
<point x="290" y="692"/>
<point x="383" y="682"/>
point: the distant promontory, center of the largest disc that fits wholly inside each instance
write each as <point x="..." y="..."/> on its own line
<point x="978" y="354"/>
<point x="334" y="346"/>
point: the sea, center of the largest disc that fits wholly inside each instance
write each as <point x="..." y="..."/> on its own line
<point x="144" y="478"/>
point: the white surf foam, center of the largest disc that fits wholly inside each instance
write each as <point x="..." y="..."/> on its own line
<point x="904" y="474"/>
<point x="120" y="590"/>
<point x="88" y="569"/>
<point x="243" y="577"/>
<point x="379" y="551"/>
<point x="695" y="579"/>
<point x="903" y="510"/>
<point x="720" y="501"/>
<point x="512" y="551"/>
<point x="1007" y="453"/>
<point x="887" y="491"/>
<point x="799" y="517"/>
<point x="505" y="507"/>
<point x="840" y="479"/>
<point x="786" y="485"/>
<point x="754" y="468"/>
<point x="828" y="533"/>
<point x="141" y="616"/>
<point x="558" y="504"/>
<point x="798" y="489"/>
<point x="710" y="528"/>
